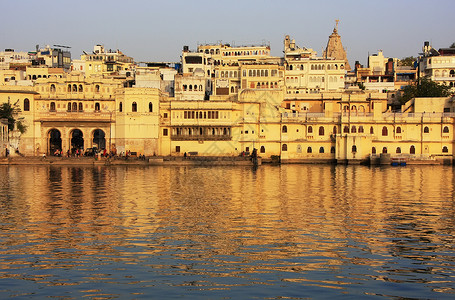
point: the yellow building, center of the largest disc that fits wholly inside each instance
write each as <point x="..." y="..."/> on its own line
<point x="106" y="62"/>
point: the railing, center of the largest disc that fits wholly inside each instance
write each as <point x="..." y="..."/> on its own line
<point x="204" y="137"/>
<point x="75" y="115"/>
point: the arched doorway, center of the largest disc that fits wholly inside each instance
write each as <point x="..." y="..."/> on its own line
<point x="77" y="140"/>
<point x="99" y="140"/>
<point x="55" y="141"/>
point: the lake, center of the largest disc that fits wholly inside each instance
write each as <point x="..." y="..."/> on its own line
<point x="276" y="232"/>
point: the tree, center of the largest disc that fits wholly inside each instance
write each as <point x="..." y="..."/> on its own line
<point x="424" y="87"/>
<point x="453" y="45"/>
<point x="10" y="112"/>
<point x="407" y="61"/>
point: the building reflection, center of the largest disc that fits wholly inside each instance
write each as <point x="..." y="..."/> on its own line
<point x="230" y="221"/>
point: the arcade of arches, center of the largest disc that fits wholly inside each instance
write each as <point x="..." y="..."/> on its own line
<point x="64" y="139"/>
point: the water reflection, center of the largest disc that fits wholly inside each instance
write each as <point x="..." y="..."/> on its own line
<point x="289" y="231"/>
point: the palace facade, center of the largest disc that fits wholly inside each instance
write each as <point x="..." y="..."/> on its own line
<point x="223" y="101"/>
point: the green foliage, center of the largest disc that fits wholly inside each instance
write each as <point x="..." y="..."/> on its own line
<point x="452" y="46"/>
<point x="10" y="112"/>
<point x="21" y="127"/>
<point x="7" y="111"/>
<point x="424" y="88"/>
<point x="361" y="86"/>
<point x="407" y="61"/>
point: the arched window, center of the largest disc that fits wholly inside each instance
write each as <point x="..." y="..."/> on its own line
<point x="445" y="149"/>
<point x="74" y="106"/>
<point x="26" y="104"/>
<point x="354" y="148"/>
<point x="134" y="107"/>
<point x="97" y="106"/>
<point x="384" y="150"/>
<point x="284" y="129"/>
<point x="332" y="149"/>
<point x="232" y="90"/>
<point x="412" y="150"/>
<point x="346" y="129"/>
<point x="334" y="130"/>
<point x="284" y="147"/>
<point x="385" y="132"/>
<point x="398" y="150"/>
<point x="310" y="129"/>
<point x="52" y="88"/>
<point x="446" y="129"/>
<point x="321" y="130"/>
<point x="398" y="130"/>
<point x="361" y="129"/>
<point x="81" y="107"/>
<point x="309" y="150"/>
<point x="371" y="130"/>
<point x="97" y="88"/>
<point x="373" y="150"/>
<point x="184" y="86"/>
<point x="120" y="107"/>
<point x="353" y="129"/>
<point x="69" y="87"/>
<point x="52" y="106"/>
<point x="69" y="106"/>
<point x="80" y="88"/>
<point x="321" y="150"/>
<point x="74" y="88"/>
<point x="262" y="149"/>
<point x="426" y="129"/>
<point x="150" y="107"/>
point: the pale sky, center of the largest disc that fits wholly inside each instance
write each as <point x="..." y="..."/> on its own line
<point x="158" y="30"/>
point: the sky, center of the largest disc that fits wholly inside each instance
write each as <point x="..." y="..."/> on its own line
<point x="158" y="30"/>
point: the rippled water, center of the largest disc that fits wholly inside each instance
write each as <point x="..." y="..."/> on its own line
<point x="291" y="231"/>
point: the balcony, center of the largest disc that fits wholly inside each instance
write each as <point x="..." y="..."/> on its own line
<point x="79" y="116"/>
<point x="205" y="137"/>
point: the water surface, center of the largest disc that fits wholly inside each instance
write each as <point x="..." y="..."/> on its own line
<point x="291" y="231"/>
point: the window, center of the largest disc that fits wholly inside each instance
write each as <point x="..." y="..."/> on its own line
<point x="354" y="148"/>
<point x="150" y="107"/>
<point x="321" y="150"/>
<point x="97" y="106"/>
<point x="26" y="104"/>
<point x="309" y="150"/>
<point x="332" y="149"/>
<point x="177" y="149"/>
<point x="97" y="88"/>
<point x="445" y="149"/>
<point x="398" y="130"/>
<point x="52" y="88"/>
<point x="262" y="149"/>
<point x="310" y="129"/>
<point x="52" y="106"/>
<point x="321" y="130"/>
<point x="134" y="107"/>
<point x="384" y="150"/>
<point x="80" y="88"/>
<point x="334" y="130"/>
<point x="385" y="132"/>
<point x="426" y="130"/>
<point x="353" y="129"/>
<point x="346" y="129"/>
<point x="69" y="106"/>
<point x="120" y="107"/>
<point x="373" y="150"/>
<point x="371" y="130"/>
<point x="75" y="106"/>
<point x="81" y="107"/>
<point x="165" y="132"/>
<point x="284" y="129"/>
<point x="446" y="129"/>
<point x="361" y="129"/>
<point x="412" y="150"/>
